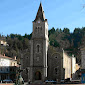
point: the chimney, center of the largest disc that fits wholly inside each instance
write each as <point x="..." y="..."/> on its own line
<point x="4" y="54"/>
<point x="72" y="55"/>
<point x="15" y="58"/>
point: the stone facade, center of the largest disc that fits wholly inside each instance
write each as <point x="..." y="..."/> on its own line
<point x="83" y="58"/>
<point x="41" y="64"/>
<point x="55" y="66"/>
<point x="83" y="65"/>
<point x="39" y="46"/>
<point x="59" y="66"/>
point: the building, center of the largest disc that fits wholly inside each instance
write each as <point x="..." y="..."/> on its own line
<point x="3" y="43"/>
<point x="83" y="65"/>
<point x="41" y="64"/>
<point x="55" y="66"/>
<point x="7" y="72"/>
<point x="7" y="61"/>
<point x="59" y="66"/>
<point x="39" y="47"/>
<point x="37" y="63"/>
<point x="73" y="66"/>
<point x="7" y="67"/>
<point x="77" y="67"/>
<point x="67" y="65"/>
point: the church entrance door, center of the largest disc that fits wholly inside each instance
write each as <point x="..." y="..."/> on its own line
<point x="38" y="75"/>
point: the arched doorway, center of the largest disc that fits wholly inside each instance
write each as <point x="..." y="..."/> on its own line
<point x="37" y="75"/>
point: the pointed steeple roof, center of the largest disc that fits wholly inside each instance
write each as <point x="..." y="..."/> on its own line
<point x="40" y="13"/>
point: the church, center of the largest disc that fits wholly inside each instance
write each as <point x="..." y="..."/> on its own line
<point x="42" y="65"/>
<point x="39" y="47"/>
<point x="37" y="66"/>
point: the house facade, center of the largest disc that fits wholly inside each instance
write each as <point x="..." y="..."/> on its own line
<point x="8" y="67"/>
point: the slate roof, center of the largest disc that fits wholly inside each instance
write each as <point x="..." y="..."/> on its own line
<point x="40" y="14"/>
<point x="6" y="57"/>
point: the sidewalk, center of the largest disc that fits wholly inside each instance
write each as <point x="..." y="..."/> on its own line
<point x="6" y="83"/>
<point x="11" y="83"/>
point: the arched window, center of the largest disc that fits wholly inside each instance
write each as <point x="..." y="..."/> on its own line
<point x="38" y="75"/>
<point x="35" y="30"/>
<point x="14" y="64"/>
<point x="41" y="28"/>
<point x="38" y="29"/>
<point x="38" y="48"/>
<point x="56" y="70"/>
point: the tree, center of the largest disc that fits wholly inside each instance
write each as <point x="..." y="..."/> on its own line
<point x="53" y="41"/>
<point x="66" y="30"/>
<point x="51" y="31"/>
<point x="25" y="43"/>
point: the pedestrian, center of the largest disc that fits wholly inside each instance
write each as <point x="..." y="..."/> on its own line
<point x="29" y="81"/>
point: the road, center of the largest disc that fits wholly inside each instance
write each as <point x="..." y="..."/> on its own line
<point x="6" y="84"/>
<point x="41" y="84"/>
<point x="56" y="84"/>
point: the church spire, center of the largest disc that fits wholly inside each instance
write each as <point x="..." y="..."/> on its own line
<point x="40" y="13"/>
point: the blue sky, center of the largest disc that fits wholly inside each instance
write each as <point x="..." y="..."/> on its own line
<point x="16" y="16"/>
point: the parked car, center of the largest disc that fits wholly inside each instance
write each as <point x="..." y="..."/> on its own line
<point x="7" y="81"/>
<point x="62" y="81"/>
<point x="51" y="81"/>
<point x="75" y="81"/>
<point x="0" y="81"/>
<point x="68" y="80"/>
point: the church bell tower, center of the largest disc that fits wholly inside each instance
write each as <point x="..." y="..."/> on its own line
<point x="39" y="47"/>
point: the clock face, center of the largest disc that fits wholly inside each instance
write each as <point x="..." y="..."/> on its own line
<point x="38" y="21"/>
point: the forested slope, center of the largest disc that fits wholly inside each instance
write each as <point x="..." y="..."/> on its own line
<point x="71" y="42"/>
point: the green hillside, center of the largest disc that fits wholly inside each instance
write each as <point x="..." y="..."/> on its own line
<point x="70" y="42"/>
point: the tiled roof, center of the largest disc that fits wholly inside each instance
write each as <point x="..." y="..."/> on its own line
<point x="6" y="57"/>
